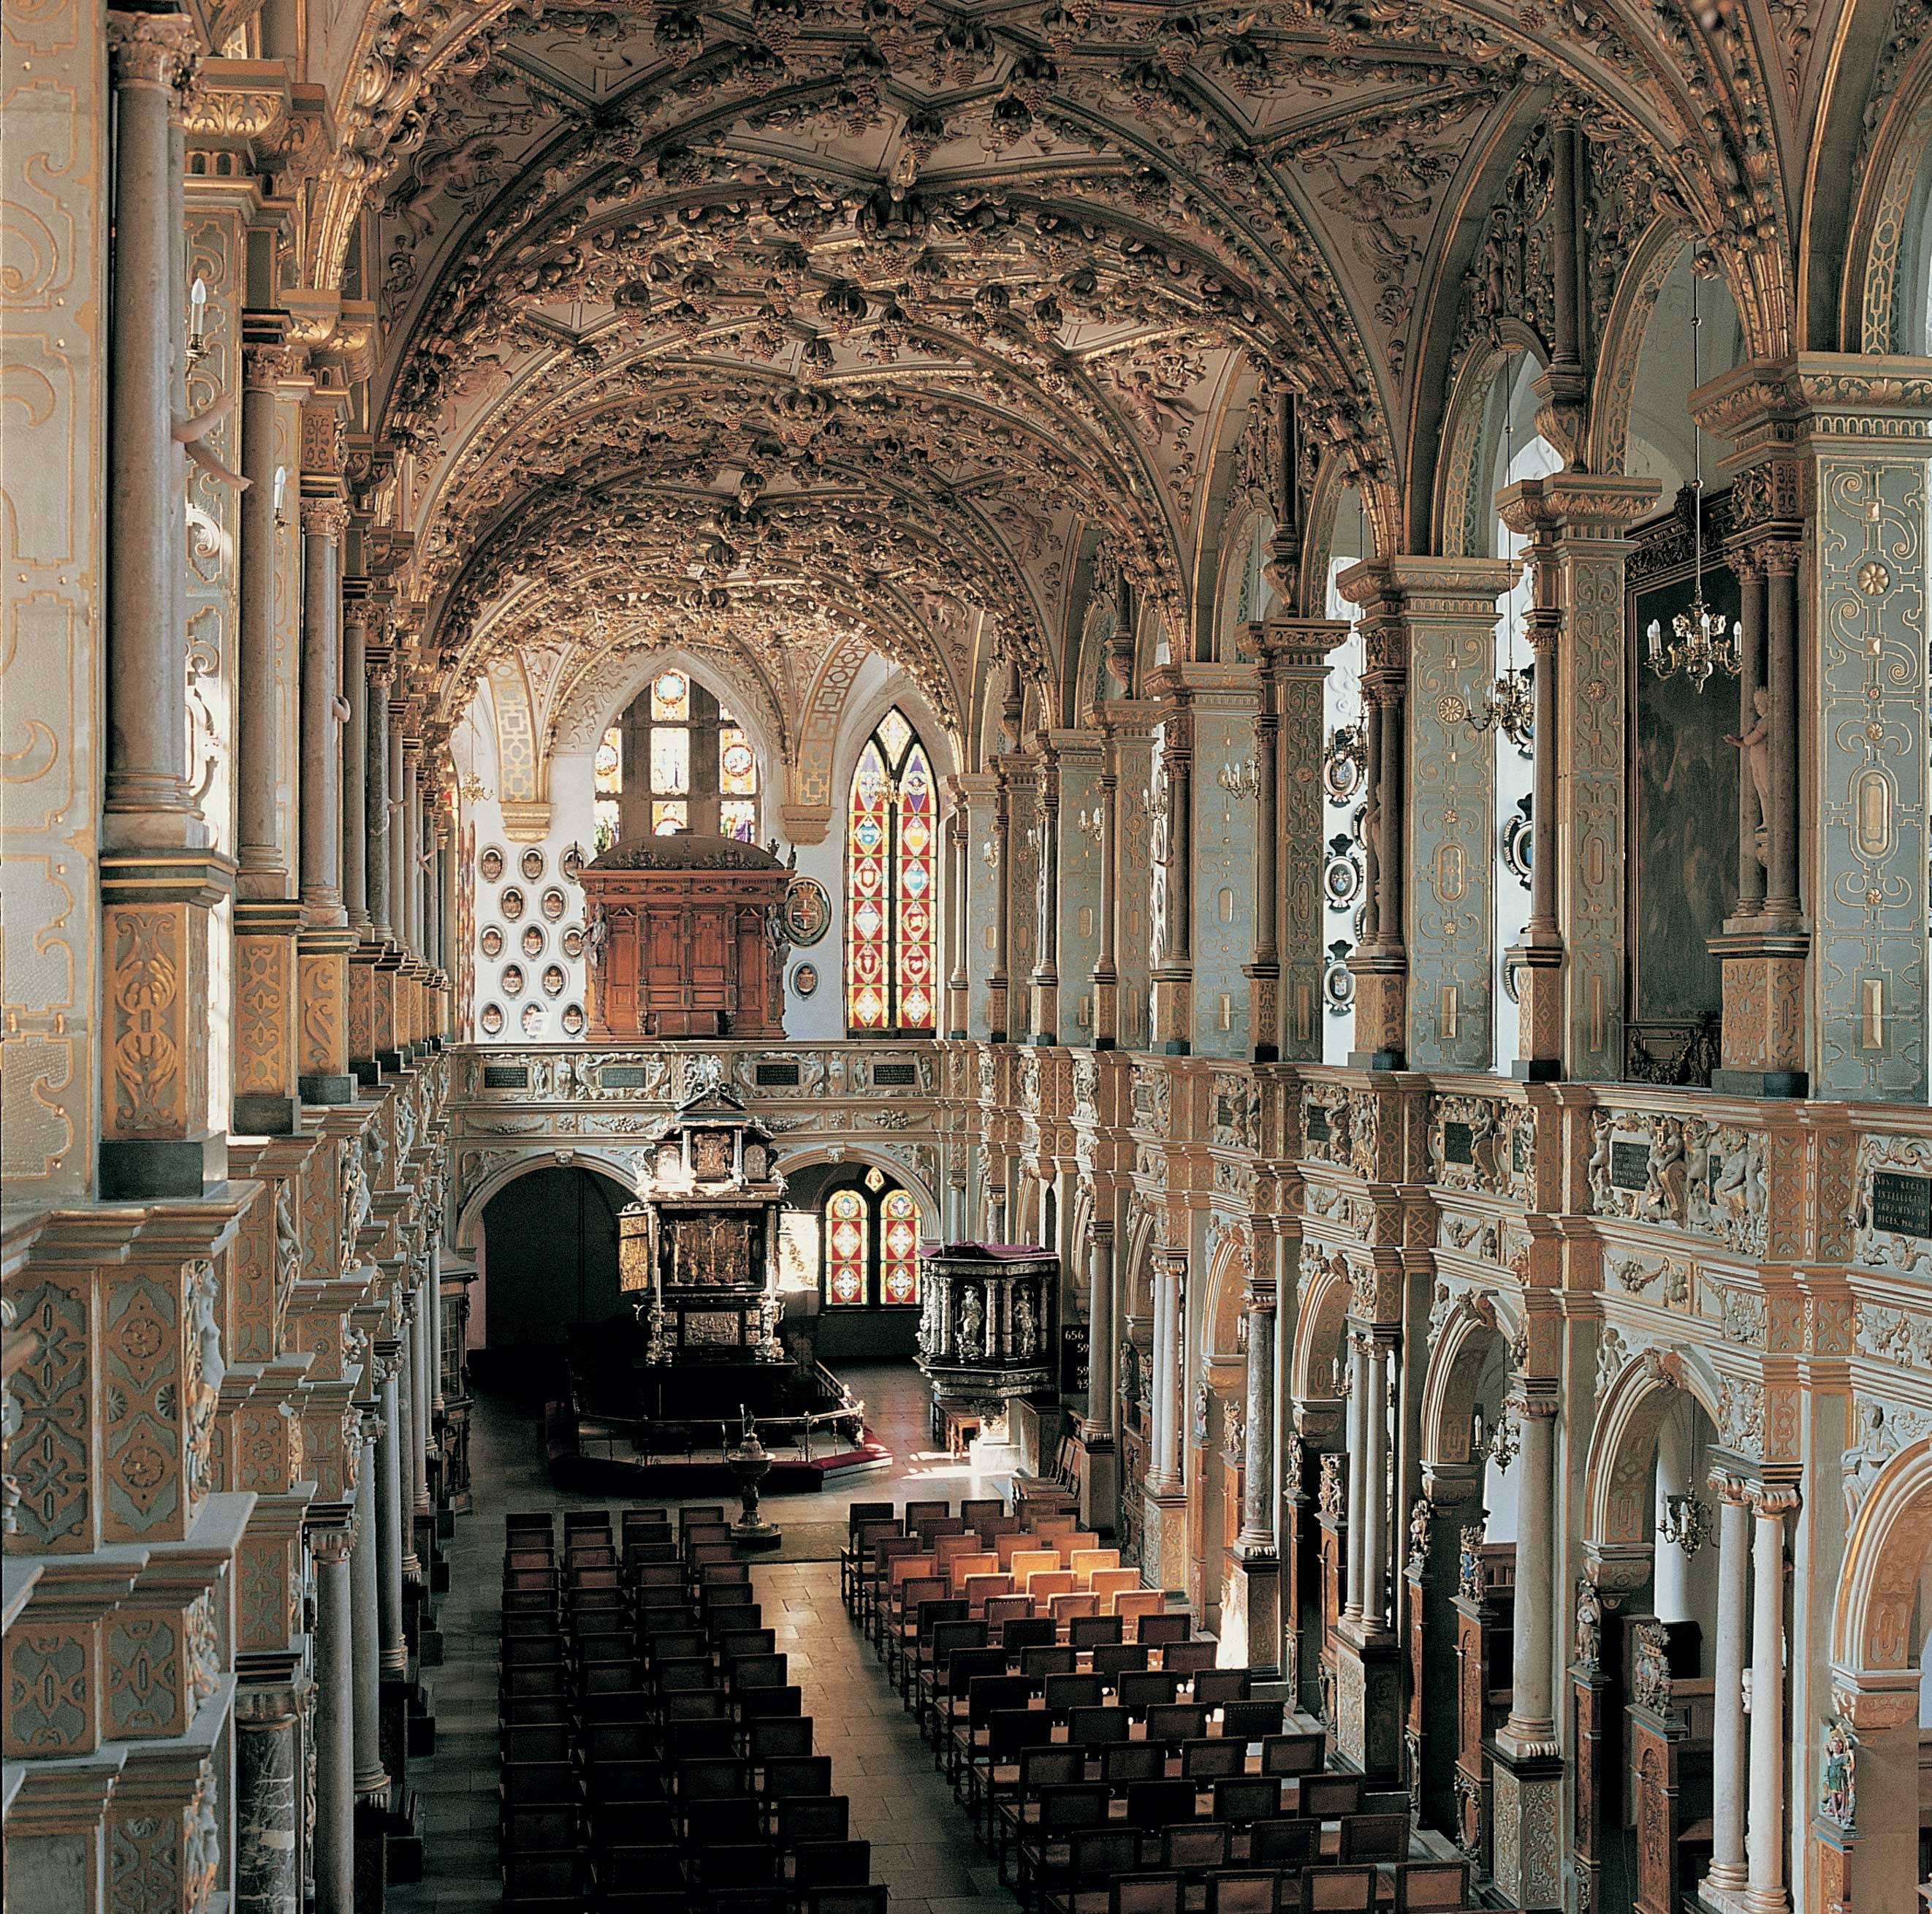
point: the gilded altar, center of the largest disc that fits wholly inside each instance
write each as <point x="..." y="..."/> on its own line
<point x="698" y="1251"/>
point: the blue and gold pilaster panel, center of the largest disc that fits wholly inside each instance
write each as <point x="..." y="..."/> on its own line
<point x="1870" y="743"/>
<point x="1450" y="606"/>
<point x="1302" y="646"/>
<point x="1079" y="894"/>
<point x="982" y="875"/>
<point x="1223" y="701"/>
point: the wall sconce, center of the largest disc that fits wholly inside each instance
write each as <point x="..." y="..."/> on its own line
<point x="197" y="321"/>
<point x="281" y="497"/>
<point x="1225" y="1012"/>
<point x="1086" y="1013"/>
<point x="1241" y="780"/>
<point x="1088" y="823"/>
<point x="989" y="852"/>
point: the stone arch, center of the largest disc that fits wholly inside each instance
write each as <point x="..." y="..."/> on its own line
<point x="603" y="691"/>
<point x="1464" y="504"/>
<point x="1618" y="1512"/>
<point x="812" y="778"/>
<point x="1137" y="1264"/>
<point x="470" y="1200"/>
<point x="1458" y="1354"/>
<point x="931" y="1227"/>
<point x="1886" y="263"/>
<point x="1320" y="1325"/>
<point x="1230" y="1269"/>
<point x="1625" y="330"/>
<point x="1878" y="1585"/>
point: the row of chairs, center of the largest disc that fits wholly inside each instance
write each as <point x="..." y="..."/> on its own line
<point x="1118" y="1776"/>
<point x="655" y="1757"/>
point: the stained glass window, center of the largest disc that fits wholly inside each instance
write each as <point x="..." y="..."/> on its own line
<point x="891" y="852"/>
<point x="846" y="1236"/>
<point x="670" y="698"/>
<point x="677" y="760"/>
<point x="871" y="1240"/>
<point x="898" y="1248"/>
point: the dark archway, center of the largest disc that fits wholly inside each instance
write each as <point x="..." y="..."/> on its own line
<point x="550" y="1250"/>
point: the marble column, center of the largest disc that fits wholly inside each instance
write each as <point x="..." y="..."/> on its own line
<point x="323" y="521"/>
<point x="421" y="1393"/>
<point x="1765" y="1891"/>
<point x="390" y="1532"/>
<point x="1257" y="1495"/>
<point x="1166" y="1478"/>
<point x="1264" y="968"/>
<point x="1106" y="962"/>
<point x="355" y="757"/>
<point x="259" y="763"/>
<point x="377" y="820"/>
<point x="372" y="1782"/>
<point x="1375" y="1495"/>
<point x="148" y="803"/>
<point x="1531" y="1730"/>
<point x="412" y="874"/>
<point x="335" y="1661"/>
<point x="1100" y="1332"/>
<point x="1045" y="979"/>
<point x="325" y="941"/>
<point x="1353" y="1564"/>
<point x="396" y="833"/>
<point x="1728" y="1738"/>
<point x="269" y="1786"/>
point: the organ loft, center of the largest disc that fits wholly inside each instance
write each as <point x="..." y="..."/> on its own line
<point x="964" y="951"/>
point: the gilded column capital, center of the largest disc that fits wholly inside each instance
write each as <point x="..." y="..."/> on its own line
<point x="152" y="50"/>
<point x="324" y="518"/>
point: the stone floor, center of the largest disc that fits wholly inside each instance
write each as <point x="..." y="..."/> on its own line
<point x="922" y="1847"/>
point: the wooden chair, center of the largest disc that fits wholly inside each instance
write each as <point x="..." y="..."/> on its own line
<point x="1067" y="1609"/>
<point x="962" y="1565"/>
<point x="1372" y="1838"/>
<point x="1084" y="1561"/>
<point x="1044" y="1584"/>
<point x="980" y="1589"/>
<point x="1025" y="1562"/>
<point x="1338" y="1890"/>
<point x="1244" y="1891"/>
<point x="1430" y="1886"/>
<point x="1109" y="1584"/>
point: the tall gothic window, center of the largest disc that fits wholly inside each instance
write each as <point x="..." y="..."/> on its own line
<point x="891" y="864"/>
<point x="871" y="1236"/>
<point x="677" y="760"/>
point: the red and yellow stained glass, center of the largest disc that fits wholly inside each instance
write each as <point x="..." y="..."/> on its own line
<point x="891" y="873"/>
<point x="898" y="1248"/>
<point x="845" y="1246"/>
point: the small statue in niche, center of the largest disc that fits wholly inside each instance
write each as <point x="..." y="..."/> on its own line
<point x="972" y="1326"/>
<point x="1130" y="1376"/>
<point x="1837" y="1795"/>
<point x="1026" y="1329"/>
<point x="1756" y="746"/>
<point x="1589" y="1627"/>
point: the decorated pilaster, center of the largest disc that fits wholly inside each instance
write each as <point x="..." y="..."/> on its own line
<point x="1766" y="1833"/>
<point x="1044" y="1020"/>
<point x="1380" y="962"/>
<point x="1172" y="978"/>
<point x="1000" y="860"/>
<point x="959" y="879"/>
<point x="1824" y="984"/>
<point x="372" y="983"/>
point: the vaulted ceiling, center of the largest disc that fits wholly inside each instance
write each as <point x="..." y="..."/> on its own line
<point x="776" y="322"/>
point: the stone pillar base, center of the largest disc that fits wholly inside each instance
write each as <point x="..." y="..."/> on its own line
<point x="1099" y="1483"/>
<point x="144" y="1169"/>
<point x="1368" y="1705"/>
<point x="1163" y="1539"/>
<point x="1381" y="1010"/>
<point x="1539" y="1011"/>
<point x="1527" y="1818"/>
<point x="1251" y="1615"/>
<point x="1763" y="1051"/>
<point x="322" y="1043"/>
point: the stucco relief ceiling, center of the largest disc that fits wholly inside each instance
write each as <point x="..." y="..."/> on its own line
<point x="871" y="309"/>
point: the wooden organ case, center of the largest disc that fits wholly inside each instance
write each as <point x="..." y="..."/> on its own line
<point x="683" y="939"/>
